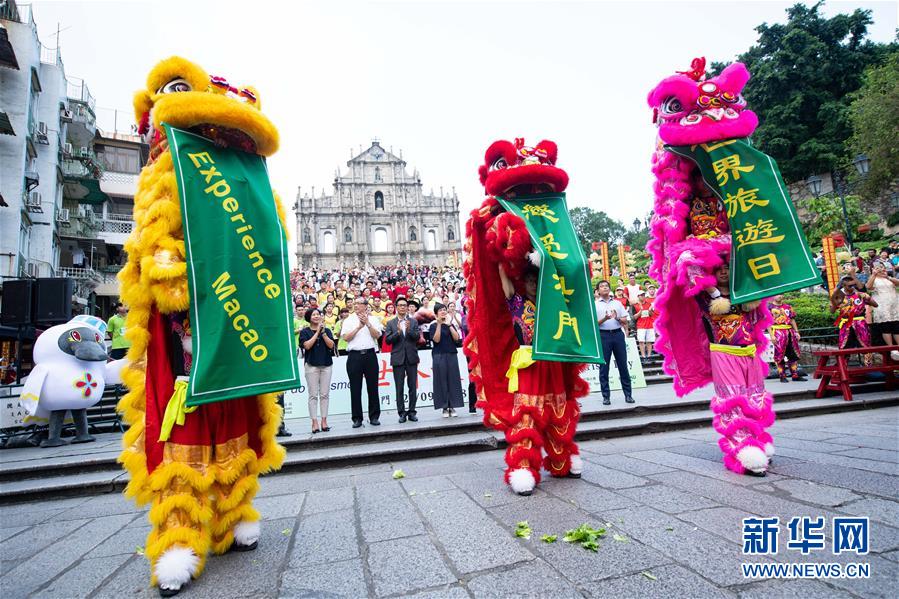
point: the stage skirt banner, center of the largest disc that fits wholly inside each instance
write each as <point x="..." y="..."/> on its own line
<point x="566" y="329"/>
<point x="237" y="271"/>
<point x="769" y="252"/>
<point x="296" y="401"/>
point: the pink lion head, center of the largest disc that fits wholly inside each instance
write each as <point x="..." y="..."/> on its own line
<point x="691" y="109"/>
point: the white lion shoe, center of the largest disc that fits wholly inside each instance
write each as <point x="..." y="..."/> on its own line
<point x="769" y="450"/>
<point x="246" y="536"/>
<point x="577" y="466"/>
<point x="174" y="569"/>
<point x="753" y="460"/>
<point x="522" y="481"/>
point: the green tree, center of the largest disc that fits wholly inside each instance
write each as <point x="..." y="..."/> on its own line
<point x="595" y="225"/>
<point x="826" y="216"/>
<point x="803" y="72"/>
<point x="874" y="113"/>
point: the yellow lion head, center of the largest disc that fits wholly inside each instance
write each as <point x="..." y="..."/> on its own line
<point x="183" y="95"/>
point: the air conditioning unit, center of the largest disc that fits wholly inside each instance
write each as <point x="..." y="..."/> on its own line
<point x="85" y="152"/>
<point x="63" y="215"/>
<point x="31" y="269"/>
<point x="66" y="115"/>
<point x="33" y="200"/>
<point x="67" y="149"/>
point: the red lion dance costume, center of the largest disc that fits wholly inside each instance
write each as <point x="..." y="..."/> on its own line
<point x="690" y="245"/>
<point x="543" y="413"/>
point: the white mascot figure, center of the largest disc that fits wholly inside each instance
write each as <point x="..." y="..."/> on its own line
<point x="70" y="373"/>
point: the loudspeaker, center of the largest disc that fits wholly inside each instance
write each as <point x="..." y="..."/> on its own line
<point x="52" y="301"/>
<point x="16" y="309"/>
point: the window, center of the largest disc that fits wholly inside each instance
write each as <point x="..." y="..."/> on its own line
<point x="307" y="235"/>
<point x="348" y="235"/>
<point x="328" y="245"/>
<point x="450" y="234"/>
<point x="379" y="200"/>
<point x="378" y="178"/>
<point x="381" y="242"/>
<point x="413" y="234"/>
<point x="431" y="240"/>
<point x="119" y="160"/>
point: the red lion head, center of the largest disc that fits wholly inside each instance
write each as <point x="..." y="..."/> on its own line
<point x="517" y="169"/>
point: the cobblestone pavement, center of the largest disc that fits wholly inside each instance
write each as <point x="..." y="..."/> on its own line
<point x="672" y="511"/>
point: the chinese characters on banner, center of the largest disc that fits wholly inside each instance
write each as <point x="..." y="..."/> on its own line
<point x="566" y="329"/>
<point x="769" y="252"/>
<point x="830" y="262"/>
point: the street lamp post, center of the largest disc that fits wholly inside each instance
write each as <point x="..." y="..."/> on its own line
<point x="814" y="184"/>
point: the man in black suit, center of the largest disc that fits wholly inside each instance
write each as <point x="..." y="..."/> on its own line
<point x="402" y="334"/>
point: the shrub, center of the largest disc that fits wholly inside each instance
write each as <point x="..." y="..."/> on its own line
<point x="812" y="309"/>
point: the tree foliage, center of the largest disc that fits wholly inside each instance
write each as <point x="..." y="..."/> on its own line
<point x="826" y="216"/>
<point x="874" y="114"/>
<point x="803" y="72"/>
<point x="595" y="225"/>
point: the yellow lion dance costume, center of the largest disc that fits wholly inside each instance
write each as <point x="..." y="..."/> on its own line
<point x="201" y="481"/>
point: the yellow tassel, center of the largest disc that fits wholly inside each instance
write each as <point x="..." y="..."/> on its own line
<point x="273" y="454"/>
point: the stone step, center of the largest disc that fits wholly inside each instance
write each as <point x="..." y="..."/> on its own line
<point x="63" y="478"/>
<point x="91" y="458"/>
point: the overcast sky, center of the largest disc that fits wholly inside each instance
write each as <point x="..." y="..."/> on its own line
<point x="441" y="80"/>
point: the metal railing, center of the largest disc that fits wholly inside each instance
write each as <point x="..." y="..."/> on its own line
<point x="80" y="274"/>
<point x="117" y="226"/>
<point x="77" y="90"/>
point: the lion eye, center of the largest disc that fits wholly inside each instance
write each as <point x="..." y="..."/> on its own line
<point x="75" y="336"/>
<point x="672" y="106"/>
<point x="500" y="164"/>
<point x="175" y="85"/>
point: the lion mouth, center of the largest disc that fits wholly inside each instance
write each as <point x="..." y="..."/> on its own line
<point x="226" y="137"/>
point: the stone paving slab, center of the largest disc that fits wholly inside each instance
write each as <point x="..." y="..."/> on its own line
<point x="446" y="530"/>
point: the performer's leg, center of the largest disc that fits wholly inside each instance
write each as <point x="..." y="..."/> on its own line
<point x="562" y="455"/>
<point x="235" y="522"/>
<point x="741" y="417"/>
<point x="81" y="434"/>
<point x="180" y="515"/>
<point x="523" y="456"/>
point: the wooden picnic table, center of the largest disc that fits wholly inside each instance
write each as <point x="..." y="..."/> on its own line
<point x="840" y="376"/>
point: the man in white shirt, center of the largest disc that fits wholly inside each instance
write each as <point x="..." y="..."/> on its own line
<point x="633" y="290"/>
<point x="612" y="318"/>
<point x="361" y="331"/>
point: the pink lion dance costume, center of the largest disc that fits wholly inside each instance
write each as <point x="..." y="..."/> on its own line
<point x="543" y="413"/>
<point x="690" y="241"/>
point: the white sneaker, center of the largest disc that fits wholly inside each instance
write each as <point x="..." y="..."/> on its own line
<point x="453" y="413"/>
<point x="445" y="413"/>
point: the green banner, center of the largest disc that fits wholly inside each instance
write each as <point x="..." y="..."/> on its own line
<point x="769" y="252"/>
<point x="237" y="269"/>
<point x="566" y="329"/>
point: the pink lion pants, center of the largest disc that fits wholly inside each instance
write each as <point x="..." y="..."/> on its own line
<point x="743" y="410"/>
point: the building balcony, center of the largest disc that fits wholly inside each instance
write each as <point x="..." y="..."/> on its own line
<point x="83" y="123"/>
<point x="119" y="184"/>
<point x="81" y="223"/>
<point x="81" y="176"/>
<point x="87" y="276"/>
<point x="116" y="228"/>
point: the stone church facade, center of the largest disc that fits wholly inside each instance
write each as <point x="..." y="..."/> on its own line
<point x="377" y="215"/>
